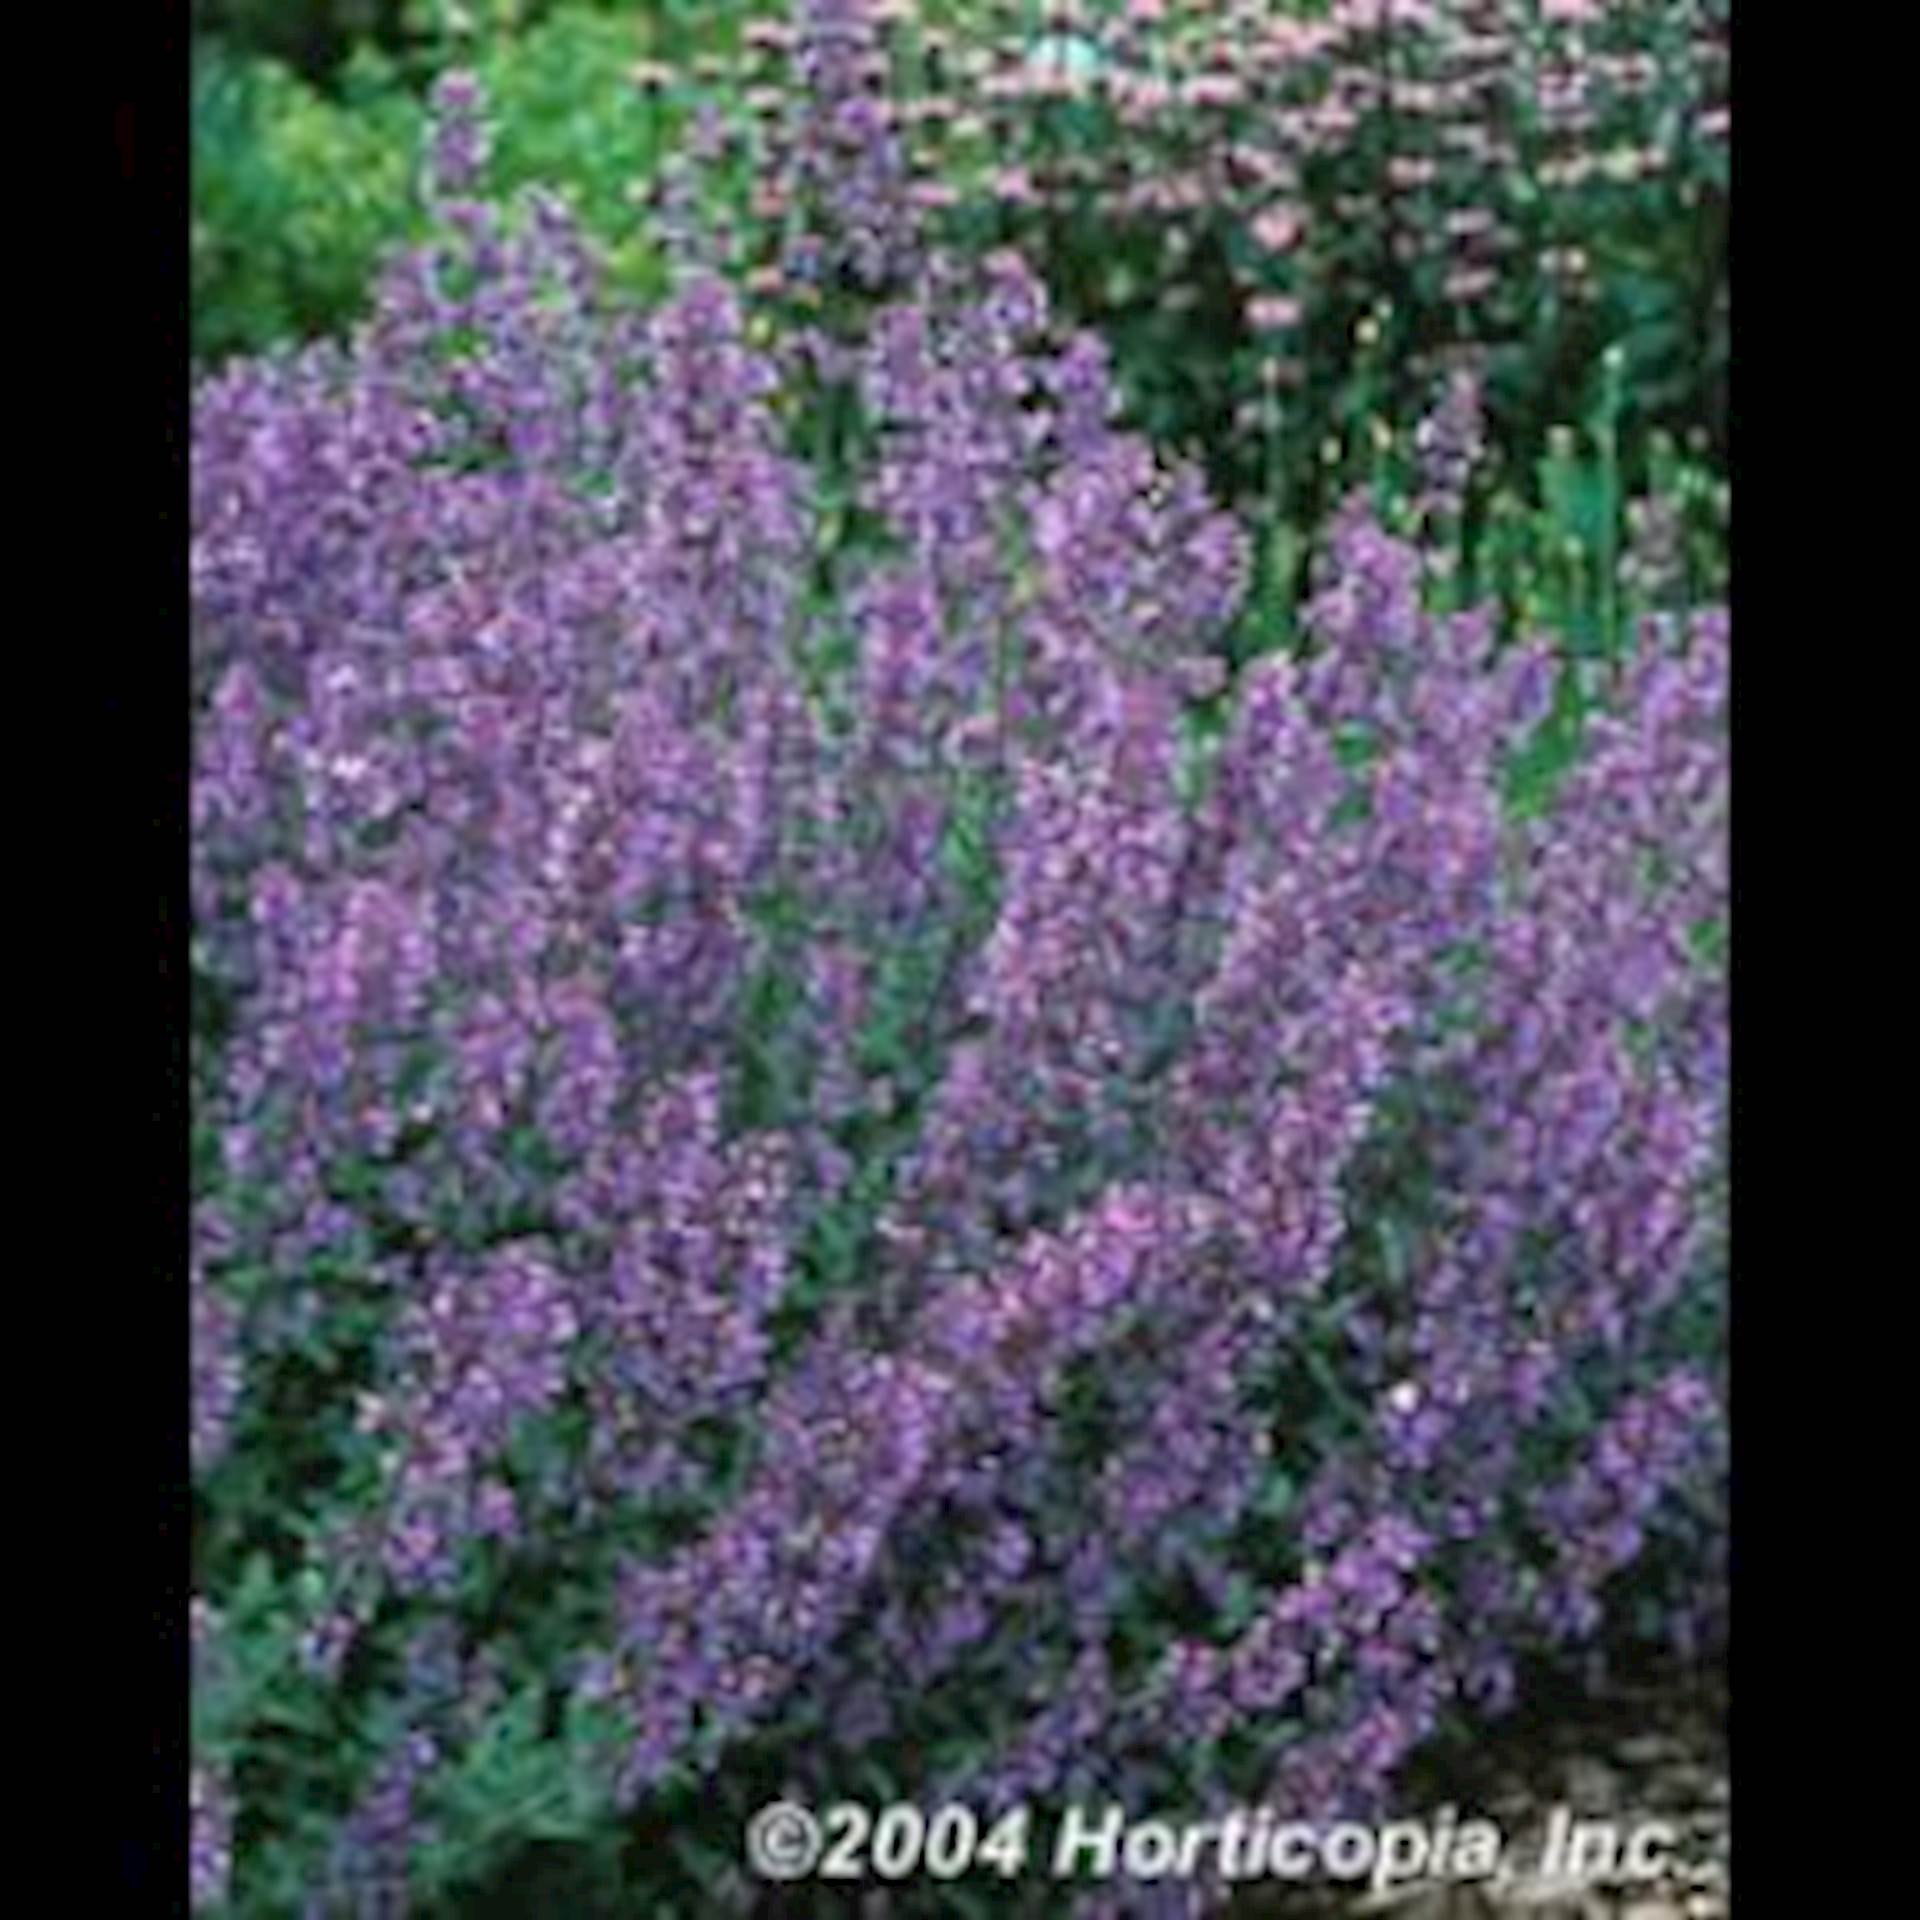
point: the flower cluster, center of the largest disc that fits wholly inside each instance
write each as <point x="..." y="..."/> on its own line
<point x="849" y="1151"/>
<point x="1245" y="183"/>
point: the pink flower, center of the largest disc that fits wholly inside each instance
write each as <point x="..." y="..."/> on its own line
<point x="1273" y="313"/>
<point x="1469" y="283"/>
<point x="1213" y="90"/>
<point x="1277" y="229"/>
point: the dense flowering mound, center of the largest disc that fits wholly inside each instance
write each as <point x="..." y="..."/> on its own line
<point x="829" y="1159"/>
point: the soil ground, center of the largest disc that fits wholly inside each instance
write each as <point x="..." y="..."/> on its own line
<point x="1643" y="1749"/>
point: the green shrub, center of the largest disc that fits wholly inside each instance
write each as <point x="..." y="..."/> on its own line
<point x="297" y="192"/>
<point x="311" y="36"/>
<point x="294" y="197"/>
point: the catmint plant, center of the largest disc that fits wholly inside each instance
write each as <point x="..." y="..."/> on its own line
<point x="832" y="1158"/>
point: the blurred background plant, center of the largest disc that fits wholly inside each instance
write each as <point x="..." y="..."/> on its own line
<point x="307" y="121"/>
<point x="313" y="37"/>
<point x="1283" y="210"/>
<point x="1282" y="214"/>
<point x="294" y="195"/>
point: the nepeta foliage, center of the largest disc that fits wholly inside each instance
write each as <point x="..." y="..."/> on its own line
<point x="827" y="1156"/>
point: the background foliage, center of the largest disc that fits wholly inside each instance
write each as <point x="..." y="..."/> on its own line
<point x="301" y="184"/>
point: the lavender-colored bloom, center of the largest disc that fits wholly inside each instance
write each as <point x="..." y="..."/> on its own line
<point x="1596" y="1517"/>
<point x="1450" y="443"/>
<point x="217" y="1371"/>
<point x="762" y="1047"/>
<point x="210" y="1838"/>
<point x="458" y="152"/>
<point x="367" y="1874"/>
<point x="479" y="1352"/>
<point x="841" y="162"/>
<point x="675" y="1321"/>
<point x="719" y="1633"/>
